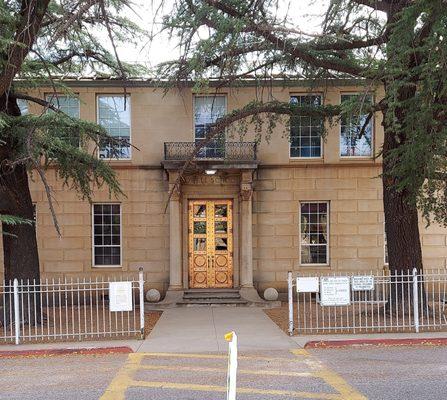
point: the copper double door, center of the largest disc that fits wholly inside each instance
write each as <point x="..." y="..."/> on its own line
<point x="210" y="243"/>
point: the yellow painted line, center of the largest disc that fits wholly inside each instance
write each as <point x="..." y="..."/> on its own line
<point x="122" y="380"/>
<point x="300" y="352"/>
<point x="240" y="371"/>
<point x="216" y="356"/>
<point x="347" y="392"/>
<point x="240" y="390"/>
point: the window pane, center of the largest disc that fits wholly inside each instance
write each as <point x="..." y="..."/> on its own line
<point x="207" y="109"/>
<point x="305" y="131"/>
<point x="220" y="210"/>
<point x="68" y="105"/>
<point x="107" y="239"/>
<point x="199" y="227"/>
<point x="200" y="211"/>
<point x="221" y="243"/>
<point x="199" y="244"/>
<point x="114" y="116"/>
<point x="220" y="227"/>
<point x="23" y="106"/>
<point x="354" y="142"/>
<point x="314" y="233"/>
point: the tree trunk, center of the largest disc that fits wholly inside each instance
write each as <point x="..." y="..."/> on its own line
<point x="402" y="232"/>
<point x="20" y="253"/>
<point x="21" y="258"/>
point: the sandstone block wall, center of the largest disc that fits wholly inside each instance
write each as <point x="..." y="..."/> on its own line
<point x="356" y="228"/>
<point x="145" y="229"/>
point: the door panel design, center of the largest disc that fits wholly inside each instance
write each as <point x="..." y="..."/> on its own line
<point x="210" y="243"/>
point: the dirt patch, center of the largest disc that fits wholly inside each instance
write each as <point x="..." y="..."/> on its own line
<point x="356" y="318"/>
<point x="75" y="323"/>
<point x="150" y="319"/>
<point x="280" y="316"/>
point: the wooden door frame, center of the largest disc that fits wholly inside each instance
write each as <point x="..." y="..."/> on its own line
<point x="185" y="201"/>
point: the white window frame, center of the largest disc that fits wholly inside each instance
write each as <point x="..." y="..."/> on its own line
<point x="50" y="96"/>
<point x="328" y="208"/>
<point x="75" y="95"/>
<point x="321" y="139"/>
<point x="25" y="106"/>
<point x="385" y="247"/>
<point x="128" y="105"/>
<point x="35" y="213"/>
<point x="373" y="134"/>
<point x="93" y="235"/>
<point x="194" y="109"/>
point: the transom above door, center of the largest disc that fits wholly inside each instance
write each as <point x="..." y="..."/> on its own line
<point x="210" y="243"/>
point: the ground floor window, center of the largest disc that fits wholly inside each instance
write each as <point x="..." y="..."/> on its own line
<point x="106" y="234"/>
<point x="314" y="232"/>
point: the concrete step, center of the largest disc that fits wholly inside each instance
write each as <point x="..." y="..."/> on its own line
<point x="210" y="302"/>
<point x="212" y="295"/>
<point x="222" y="290"/>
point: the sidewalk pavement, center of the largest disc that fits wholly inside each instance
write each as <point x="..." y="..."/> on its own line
<point x="202" y="330"/>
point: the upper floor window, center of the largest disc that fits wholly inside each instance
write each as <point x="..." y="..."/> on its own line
<point x="385" y="246"/>
<point x="314" y="233"/>
<point x="114" y="116"/>
<point x="23" y="106"/>
<point x="306" y="131"/>
<point x="354" y="142"/>
<point x="207" y="110"/>
<point x="70" y="106"/>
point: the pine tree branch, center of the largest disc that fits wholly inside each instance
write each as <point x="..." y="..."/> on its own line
<point x="36" y="100"/>
<point x="376" y="5"/>
<point x="287" y="46"/>
<point x="273" y="107"/>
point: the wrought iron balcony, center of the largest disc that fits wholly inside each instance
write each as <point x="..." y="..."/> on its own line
<point x="226" y="152"/>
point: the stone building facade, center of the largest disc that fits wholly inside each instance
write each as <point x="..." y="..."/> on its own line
<point x="288" y="204"/>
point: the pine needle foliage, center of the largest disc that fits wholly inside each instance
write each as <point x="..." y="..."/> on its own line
<point x="41" y="42"/>
<point x="400" y="45"/>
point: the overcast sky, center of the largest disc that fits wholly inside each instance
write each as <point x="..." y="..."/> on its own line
<point x="306" y="15"/>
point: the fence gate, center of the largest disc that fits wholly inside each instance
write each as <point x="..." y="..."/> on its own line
<point x="367" y="302"/>
<point x="67" y="309"/>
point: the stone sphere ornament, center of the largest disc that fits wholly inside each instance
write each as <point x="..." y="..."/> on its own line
<point x="153" y="296"/>
<point x="270" y="294"/>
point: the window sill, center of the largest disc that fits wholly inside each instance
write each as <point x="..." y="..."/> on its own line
<point x="116" y="159"/>
<point x="107" y="266"/>
<point x="314" y="160"/>
<point x="320" y="266"/>
<point x="356" y="158"/>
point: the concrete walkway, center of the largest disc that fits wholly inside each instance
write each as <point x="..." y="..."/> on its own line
<point x="202" y="330"/>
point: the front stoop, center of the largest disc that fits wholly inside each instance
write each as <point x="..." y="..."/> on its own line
<point x="244" y="297"/>
<point x="207" y="297"/>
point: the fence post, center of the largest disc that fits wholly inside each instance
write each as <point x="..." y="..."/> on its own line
<point x="290" y="298"/>
<point x="415" y="300"/>
<point x="141" y="292"/>
<point x="16" y="311"/>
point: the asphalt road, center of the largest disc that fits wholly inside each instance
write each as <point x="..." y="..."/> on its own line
<point x="339" y="374"/>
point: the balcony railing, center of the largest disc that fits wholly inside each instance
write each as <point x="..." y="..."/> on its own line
<point x="228" y="151"/>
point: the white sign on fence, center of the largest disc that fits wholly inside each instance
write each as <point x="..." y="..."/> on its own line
<point x="307" y="284"/>
<point x="365" y="282"/>
<point x="120" y="295"/>
<point x="335" y="291"/>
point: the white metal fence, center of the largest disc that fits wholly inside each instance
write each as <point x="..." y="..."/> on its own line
<point x="367" y="302"/>
<point x="66" y="309"/>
